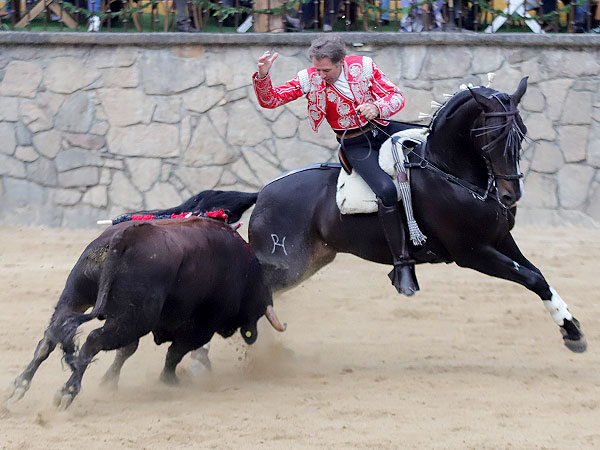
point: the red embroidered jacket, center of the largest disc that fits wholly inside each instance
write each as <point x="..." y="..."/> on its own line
<point x="367" y="83"/>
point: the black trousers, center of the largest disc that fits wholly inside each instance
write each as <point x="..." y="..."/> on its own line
<point x="362" y="152"/>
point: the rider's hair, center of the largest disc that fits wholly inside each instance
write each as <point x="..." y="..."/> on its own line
<point x="328" y="46"/>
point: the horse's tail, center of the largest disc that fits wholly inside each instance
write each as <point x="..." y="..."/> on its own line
<point x="235" y="203"/>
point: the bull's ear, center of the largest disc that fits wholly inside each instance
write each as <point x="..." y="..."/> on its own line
<point x="249" y="333"/>
<point x="516" y="97"/>
<point x="484" y="103"/>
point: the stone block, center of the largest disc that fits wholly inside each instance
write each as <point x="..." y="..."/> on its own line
<point x="573" y="140"/>
<point x="22" y="193"/>
<point x="125" y="107"/>
<point x="410" y="64"/>
<point x="11" y="167"/>
<point x="162" y="196"/>
<point x="96" y="196"/>
<point x="9" y="109"/>
<point x="73" y="158"/>
<point x="198" y="179"/>
<point x="36" y="117"/>
<point x="121" y="77"/>
<point x="547" y="157"/>
<point x="285" y="126"/>
<point x="104" y="58"/>
<point x="8" y="140"/>
<point x="208" y="148"/>
<point x="47" y="143"/>
<point x="415" y="102"/>
<point x="80" y="177"/>
<point x="540" y="191"/>
<point x="67" y="75"/>
<point x="86" y="141"/>
<point x="593" y="149"/>
<point x="533" y="100"/>
<point x="164" y="74"/>
<point x="64" y="197"/>
<point x="154" y="140"/>
<point x="21" y="79"/>
<point x="555" y="93"/>
<point x="122" y="193"/>
<point x="26" y="154"/>
<point x="540" y="127"/>
<point x="43" y="171"/>
<point x="577" y="109"/>
<point x="486" y="59"/>
<point x="100" y="128"/>
<point x="144" y="171"/>
<point x="294" y="153"/>
<point x="81" y="216"/>
<point x="574" y="184"/>
<point x="167" y="111"/>
<point x="76" y="114"/>
<point x="570" y="63"/>
<point x="203" y="98"/>
<point x="440" y="63"/>
<point x="593" y="206"/>
<point x="246" y="126"/>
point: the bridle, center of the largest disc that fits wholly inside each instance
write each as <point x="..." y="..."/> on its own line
<point x="507" y="128"/>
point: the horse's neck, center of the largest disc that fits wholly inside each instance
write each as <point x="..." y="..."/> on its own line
<point x="451" y="148"/>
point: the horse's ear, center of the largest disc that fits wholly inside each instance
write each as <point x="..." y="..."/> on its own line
<point x="518" y="94"/>
<point x="484" y="103"/>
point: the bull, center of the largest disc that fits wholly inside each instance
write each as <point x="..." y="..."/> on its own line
<point x="182" y="279"/>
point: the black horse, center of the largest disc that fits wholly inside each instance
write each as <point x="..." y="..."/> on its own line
<point x="465" y="184"/>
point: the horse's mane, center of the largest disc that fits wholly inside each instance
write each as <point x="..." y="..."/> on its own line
<point x="451" y="106"/>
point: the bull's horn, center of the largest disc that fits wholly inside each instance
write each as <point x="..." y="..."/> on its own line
<point x="274" y="320"/>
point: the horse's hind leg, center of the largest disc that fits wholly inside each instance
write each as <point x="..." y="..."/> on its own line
<point x="492" y="262"/>
<point x="111" y="377"/>
<point x="555" y="305"/>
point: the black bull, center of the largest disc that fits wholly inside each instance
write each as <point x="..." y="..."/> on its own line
<point x="181" y="279"/>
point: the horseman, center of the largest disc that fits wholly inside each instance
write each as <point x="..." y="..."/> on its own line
<point x="355" y="97"/>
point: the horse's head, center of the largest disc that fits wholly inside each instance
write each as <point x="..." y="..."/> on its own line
<point x="498" y="132"/>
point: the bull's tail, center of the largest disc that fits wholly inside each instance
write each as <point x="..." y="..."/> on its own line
<point x="235" y="203"/>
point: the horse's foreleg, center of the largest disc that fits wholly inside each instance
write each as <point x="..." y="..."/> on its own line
<point x="511" y="265"/>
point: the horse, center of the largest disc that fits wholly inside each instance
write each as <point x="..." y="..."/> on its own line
<point x="465" y="183"/>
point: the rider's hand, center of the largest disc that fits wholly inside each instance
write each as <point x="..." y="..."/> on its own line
<point x="265" y="62"/>
<point x="368" y="110"/>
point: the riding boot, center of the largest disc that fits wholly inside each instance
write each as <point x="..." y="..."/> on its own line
<point x="403" y="275"/>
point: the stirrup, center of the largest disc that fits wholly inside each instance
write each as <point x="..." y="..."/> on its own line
<point x="405" y="262"/>
<point x="404" y="277"/>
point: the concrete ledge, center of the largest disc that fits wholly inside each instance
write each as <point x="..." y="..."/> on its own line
<point x="15" y="38"/>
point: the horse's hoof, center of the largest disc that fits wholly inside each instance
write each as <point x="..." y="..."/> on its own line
<point x="573" y="336"/>
<point x="577" y="346"/>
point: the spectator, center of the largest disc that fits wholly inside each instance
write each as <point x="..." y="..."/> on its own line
<point x="307" y="11"/>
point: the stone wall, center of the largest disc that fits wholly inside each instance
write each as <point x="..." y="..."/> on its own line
<point x="95" y="125"/>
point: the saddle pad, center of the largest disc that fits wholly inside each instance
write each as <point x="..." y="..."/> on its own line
<point x="354" y="196"/>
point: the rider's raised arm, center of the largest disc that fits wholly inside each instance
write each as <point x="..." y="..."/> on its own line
<point x="271" y="97"/>
<point x="388" y="98"/>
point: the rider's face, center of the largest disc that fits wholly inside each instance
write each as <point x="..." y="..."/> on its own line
<point x="327" y="70"/>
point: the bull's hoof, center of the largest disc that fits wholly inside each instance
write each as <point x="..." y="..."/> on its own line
<point x="169" y="378"/>
<point x="201" y="361"/>
<point x="17" y="390"/>
<point x="64" y="397"/>
<point x="573" y="336"/>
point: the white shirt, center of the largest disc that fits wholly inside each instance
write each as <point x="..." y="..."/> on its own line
<point x="342" y="85"/>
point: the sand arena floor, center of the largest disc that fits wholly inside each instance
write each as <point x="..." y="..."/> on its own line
<point x="470" y="362"/>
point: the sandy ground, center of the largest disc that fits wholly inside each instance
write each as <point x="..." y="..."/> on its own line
<point x="470" y="362"/>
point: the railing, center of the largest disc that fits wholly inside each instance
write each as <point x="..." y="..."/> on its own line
<point x="297" y="15"/>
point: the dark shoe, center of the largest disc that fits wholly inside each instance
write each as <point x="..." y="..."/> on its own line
<point x="404" y="278"/>
<point x="186" y="27"/>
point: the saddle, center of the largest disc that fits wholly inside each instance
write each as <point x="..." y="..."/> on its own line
<point x="354" y="196"/>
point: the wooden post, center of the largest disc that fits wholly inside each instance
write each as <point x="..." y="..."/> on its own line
<point x="268" y="22"/>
